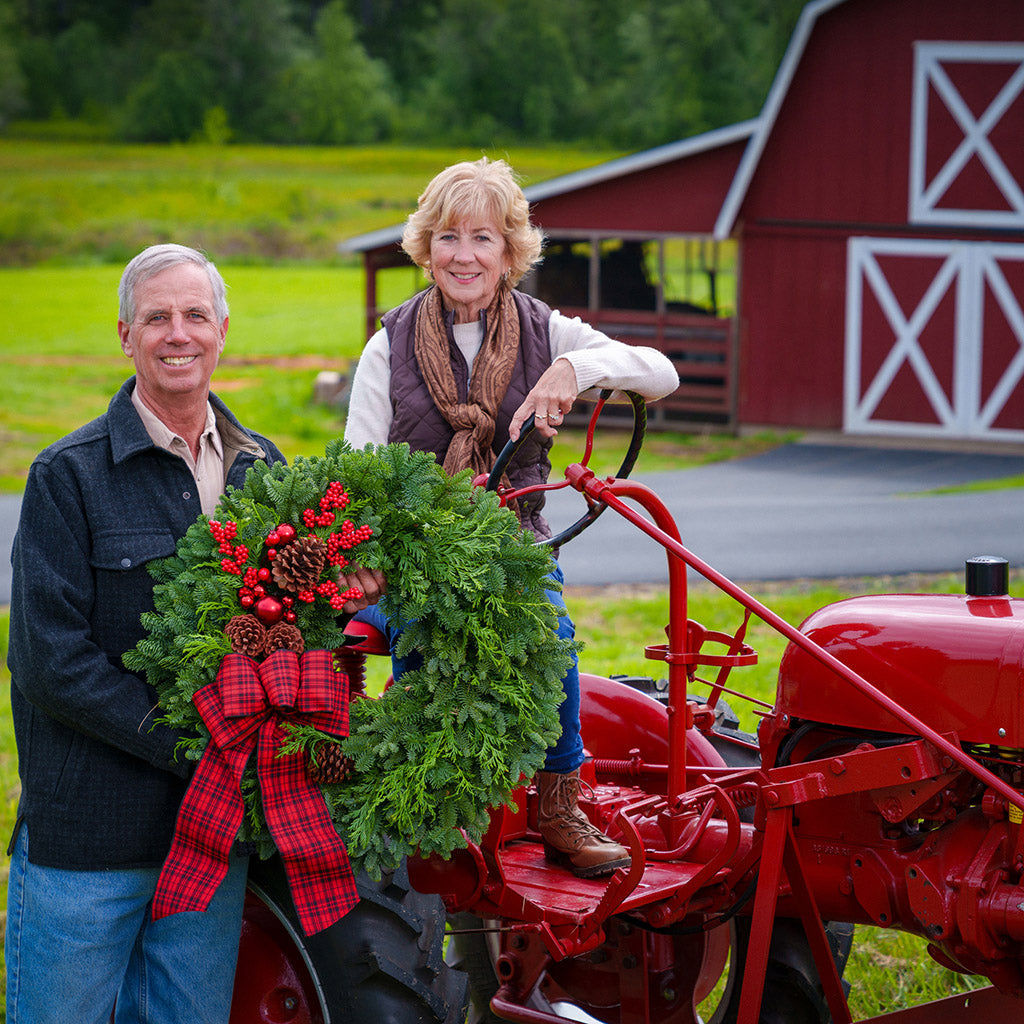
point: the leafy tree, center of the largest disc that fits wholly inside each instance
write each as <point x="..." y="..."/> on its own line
<point x="163" y="26"/>
<point x="336" y="93"/>
<point x="12" y="82"/>
<point x="51" y="17"/>
<point x="500" y="70"/>
<point x="629" y="73"/>
<point x="169" y="104"/>
<point x="87" y="81"/>
<point x="398" y="33"/>
<point x="37" y="66"/>
<point x="679" y="69"/>
<point x="246" y="46"/>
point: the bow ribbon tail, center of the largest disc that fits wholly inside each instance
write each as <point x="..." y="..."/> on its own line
<point x="212" y="810"/>
<point x="315" y="859"/>
<point x="205" y="832"/>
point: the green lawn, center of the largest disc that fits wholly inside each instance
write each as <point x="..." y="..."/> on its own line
<point x="72" y="214"/>
<point x="62" y="360"/>
<point x="86" y="202"/>
<point x="888" y="970"/>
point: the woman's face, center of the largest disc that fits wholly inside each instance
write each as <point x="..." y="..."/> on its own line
<point x="467" y="261"/>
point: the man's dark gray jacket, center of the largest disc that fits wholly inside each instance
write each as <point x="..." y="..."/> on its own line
<point x="100" y="785"/>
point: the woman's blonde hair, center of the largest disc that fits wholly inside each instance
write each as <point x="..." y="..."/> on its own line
<point x="475" y="191"/>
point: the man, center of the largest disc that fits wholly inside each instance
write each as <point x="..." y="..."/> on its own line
<point x="100" y="785"/>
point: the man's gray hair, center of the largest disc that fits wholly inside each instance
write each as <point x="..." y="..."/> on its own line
<point x="157" y="258"/>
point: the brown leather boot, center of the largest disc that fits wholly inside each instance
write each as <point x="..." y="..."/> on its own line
<point x="568" y="834"/>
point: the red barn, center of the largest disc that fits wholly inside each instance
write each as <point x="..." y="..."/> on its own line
<point x="853" y="258"/>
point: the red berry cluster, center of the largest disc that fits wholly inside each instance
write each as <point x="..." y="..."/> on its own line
<point x="254" y="594"/>
<point x="335" y="497"/>
<point x="344" y="540"/>
<point x="283" y="534"/>
<point x="236" y="555"/>
<point x="337" y="598"/>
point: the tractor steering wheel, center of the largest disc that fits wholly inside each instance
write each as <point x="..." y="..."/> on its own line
<point x="595" y="508"/>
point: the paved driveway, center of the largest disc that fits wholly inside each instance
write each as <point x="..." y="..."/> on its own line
<point x="812" y="510"/>
<point x="802" y="510"/>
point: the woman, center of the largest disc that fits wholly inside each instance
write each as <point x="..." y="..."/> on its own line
<point x="460" y="367"/>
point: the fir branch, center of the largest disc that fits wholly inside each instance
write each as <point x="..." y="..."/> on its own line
<point x="431" y="755"/>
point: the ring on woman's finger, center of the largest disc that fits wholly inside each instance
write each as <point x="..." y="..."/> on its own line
<point x="539" y="416"/>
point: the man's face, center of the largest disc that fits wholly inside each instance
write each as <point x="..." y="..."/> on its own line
<point x="175" y="339"/>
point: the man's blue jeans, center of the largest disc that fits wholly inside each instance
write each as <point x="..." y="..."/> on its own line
<point x="78" y="939"/>
<point x="567" y="754"/>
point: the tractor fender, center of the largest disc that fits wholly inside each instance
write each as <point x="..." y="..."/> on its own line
<point x="616" y="719"/>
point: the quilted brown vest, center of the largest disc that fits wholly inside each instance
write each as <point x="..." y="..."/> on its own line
<point x="418" y="421"/>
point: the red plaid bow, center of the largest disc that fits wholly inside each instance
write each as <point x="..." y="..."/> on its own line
<point x="246" y="707"/>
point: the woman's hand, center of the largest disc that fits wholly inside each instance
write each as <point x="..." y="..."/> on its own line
<point x="549" y="400"/>
<point x="370" y="581"/>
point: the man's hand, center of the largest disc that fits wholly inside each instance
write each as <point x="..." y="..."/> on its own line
<point x="370" y="581"/>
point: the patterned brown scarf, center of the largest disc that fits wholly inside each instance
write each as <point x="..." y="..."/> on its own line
<point x="473" y="421"/>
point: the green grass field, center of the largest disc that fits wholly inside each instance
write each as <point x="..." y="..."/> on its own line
<point x="62" y="360"/>
<point x="66" y="202"/>
<point x="887" y="970"/>
<point x="71" y="215"/>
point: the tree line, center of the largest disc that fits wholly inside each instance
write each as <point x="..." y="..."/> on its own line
<point x="620" y="73"/>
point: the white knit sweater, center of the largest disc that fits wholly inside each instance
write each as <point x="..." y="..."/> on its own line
<point x="599" y="362"/>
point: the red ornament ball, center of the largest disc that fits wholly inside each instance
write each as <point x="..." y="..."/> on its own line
<point x="269" y="610"/>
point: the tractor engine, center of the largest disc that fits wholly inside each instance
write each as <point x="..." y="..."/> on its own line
<point x="893" y="831"/>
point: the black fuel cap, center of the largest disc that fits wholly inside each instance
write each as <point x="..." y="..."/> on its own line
<point x="987" y="576"/>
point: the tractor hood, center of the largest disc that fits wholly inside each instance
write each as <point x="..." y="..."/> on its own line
<point x="954" y="662"/>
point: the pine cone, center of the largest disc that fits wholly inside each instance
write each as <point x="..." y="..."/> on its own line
<point x="247" y="635"/>
<point x="284" y="636"/>
<point x="328" y="764"/>
<point x="298" y="565"/>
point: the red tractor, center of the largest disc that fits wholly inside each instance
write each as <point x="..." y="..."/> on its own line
<point x="884" y="787"/>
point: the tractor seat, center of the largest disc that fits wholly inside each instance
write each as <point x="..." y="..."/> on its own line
<point x="370" y="639"/>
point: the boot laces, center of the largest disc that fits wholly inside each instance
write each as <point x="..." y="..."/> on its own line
<point x="566" y="790"/>
<point x="564" y="796"/>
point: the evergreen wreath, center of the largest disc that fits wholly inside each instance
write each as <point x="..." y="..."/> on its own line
<point x="455" y="737"/>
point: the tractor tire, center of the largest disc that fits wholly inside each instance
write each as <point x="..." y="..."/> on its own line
<point x="383" y="963"/>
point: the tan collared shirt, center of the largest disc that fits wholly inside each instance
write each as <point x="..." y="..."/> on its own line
<point x="208" y="469"/>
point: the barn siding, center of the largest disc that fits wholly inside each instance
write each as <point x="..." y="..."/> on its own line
<point x="791" y="360"/>
<point x="680" y="197"/>
<point x="836" y="164"/>
<point x="839" y="152"/>
<point x="833" y="158"/>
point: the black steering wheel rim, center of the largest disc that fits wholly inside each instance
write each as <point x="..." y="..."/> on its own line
<point x="628" y="462"/>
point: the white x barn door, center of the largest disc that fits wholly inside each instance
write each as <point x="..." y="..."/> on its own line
<point x="966" y="156"/>
<point x="934" y="338"/>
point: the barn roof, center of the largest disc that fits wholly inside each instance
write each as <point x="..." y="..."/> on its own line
<point x="719" y="216"/>
<point x="766" y="122"/>
<point x="577" y="181"/>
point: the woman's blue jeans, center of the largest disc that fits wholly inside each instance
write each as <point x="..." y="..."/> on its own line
<point x="567" y="754"/>
<point x="76" y="940"/>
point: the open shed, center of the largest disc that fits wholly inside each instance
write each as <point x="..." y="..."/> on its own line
<point x="876" y="208"/>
